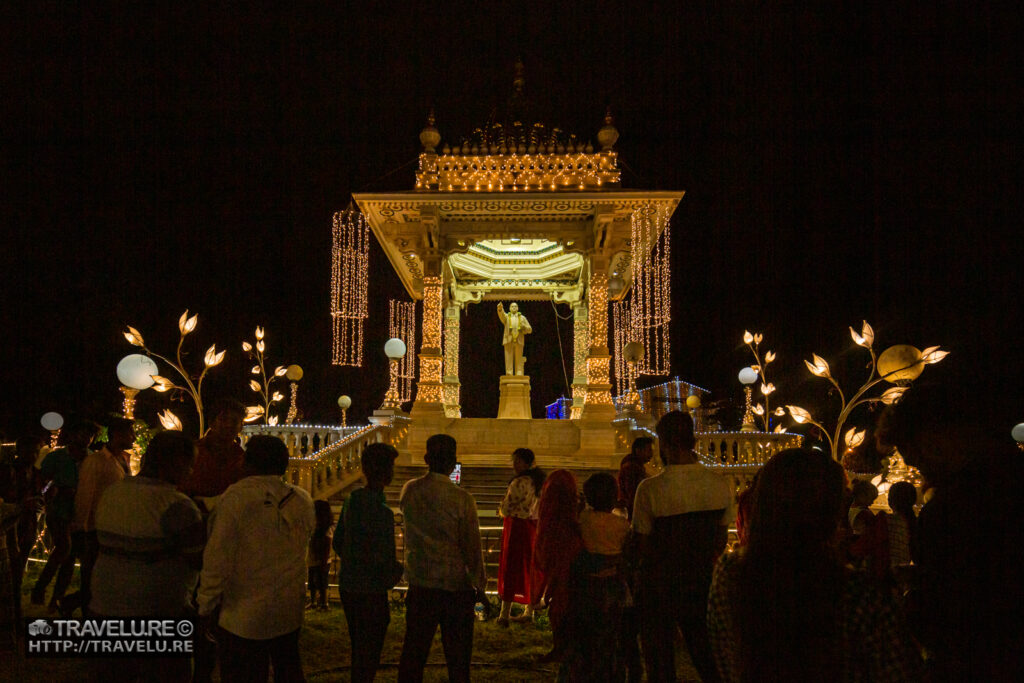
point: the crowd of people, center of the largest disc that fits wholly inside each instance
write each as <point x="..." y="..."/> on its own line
<point x="820" y="585"/>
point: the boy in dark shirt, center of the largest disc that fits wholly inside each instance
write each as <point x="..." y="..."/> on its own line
<point x="365" y="542"/>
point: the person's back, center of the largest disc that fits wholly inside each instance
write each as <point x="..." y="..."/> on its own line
<point x="971" y="543"/>
<point x="972" y="568"/>
<point x="518" y="510"/>
<point x="254" y="567"/>
<point x="140" y="522"/>
<point x="60" y="468"/>
<point x="219" y="458"/>
<point x="365" y="543"/>
<point x="632" y="471"/>
<point x="435" y="513"/>
<point x="784" y="608"/>
<point x="680" y="519"/>
<point x="443" y="565"/>
<point x="598" y="591"/>
<point x="684" y="510"/>
<point x="150" y="539"/>
<point x="269" y="523"/>
<point x="603" y="532"/>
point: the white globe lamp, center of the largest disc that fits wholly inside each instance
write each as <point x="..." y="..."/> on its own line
<point x="344" y="402"/>
<point x="394" y="349"/>
<point x="52" y="422"/>
<point x="135" y="372"/>
<point x="747" y="377"/>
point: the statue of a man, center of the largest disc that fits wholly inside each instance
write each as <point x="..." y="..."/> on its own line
<point x="516" y="329"/>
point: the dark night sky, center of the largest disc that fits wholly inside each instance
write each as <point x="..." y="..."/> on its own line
<point x="855" y="161"/>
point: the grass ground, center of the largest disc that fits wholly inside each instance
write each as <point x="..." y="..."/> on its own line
<point x="499" y="654"/>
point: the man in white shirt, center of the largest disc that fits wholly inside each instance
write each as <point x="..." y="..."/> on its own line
<point x="254" y="568"/>
<point x="443" y="565"/>
<point x="680" y="519"/>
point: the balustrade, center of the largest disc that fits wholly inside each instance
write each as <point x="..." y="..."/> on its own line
<point x="742" y="450"/>
<point x="324" y="459"/>
<point x="740" y="455"/>
<point x="301" y="439"/>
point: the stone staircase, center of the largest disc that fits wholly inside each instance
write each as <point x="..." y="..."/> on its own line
<point x="487" y="484"/>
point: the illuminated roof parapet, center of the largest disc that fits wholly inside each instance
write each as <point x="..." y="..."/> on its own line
<point x="518" y="161"/>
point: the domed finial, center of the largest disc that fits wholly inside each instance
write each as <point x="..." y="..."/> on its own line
<point x="608" y="134"/>
<point x="429" y="137"/>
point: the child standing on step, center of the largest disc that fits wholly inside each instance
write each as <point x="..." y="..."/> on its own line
<point x="598" y="592"/>
<point x="318" y="555"/>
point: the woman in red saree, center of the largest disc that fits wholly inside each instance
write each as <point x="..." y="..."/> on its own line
<point x="557" y="544"/>
<point x="519" y="510"/>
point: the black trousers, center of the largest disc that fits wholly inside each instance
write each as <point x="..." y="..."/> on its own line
<point x="426" y="608"/>
<point x="60" y="534"/>
<point x="665" y="606"/>
<point x="629" y="645"/>
<point x="368" y="616"/>
<point x="134" y="669"/>
<point x="243" y="659"/>
<point x="85" y="547"/>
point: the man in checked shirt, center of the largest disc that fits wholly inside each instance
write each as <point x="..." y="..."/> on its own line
<point x="443" y="565"/>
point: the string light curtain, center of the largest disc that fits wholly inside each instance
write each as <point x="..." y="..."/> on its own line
<point x="622" y="335"/>
<point x="650" y="305"/>
<point x="350" y="255"/>
<point x="402" y="325"/>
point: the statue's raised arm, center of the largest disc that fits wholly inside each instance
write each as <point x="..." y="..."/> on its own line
<point x="501" y="312"/>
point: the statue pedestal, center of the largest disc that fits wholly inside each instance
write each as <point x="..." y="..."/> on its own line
<point x="514" y="403"/>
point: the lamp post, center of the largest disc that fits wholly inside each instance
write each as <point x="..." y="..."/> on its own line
<point x="294" y="374"/>
<point x="344" y="402"/>
<point x="1018" y="435"/>
<point x="394" y="349"/>
<point x="747" y="377"/>
<point x="52" y="422"/>
<point x="634" y="353"/>
<point x="135" y="372"/>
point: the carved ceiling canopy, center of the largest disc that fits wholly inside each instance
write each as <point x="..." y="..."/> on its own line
<point x="501" y="245"/>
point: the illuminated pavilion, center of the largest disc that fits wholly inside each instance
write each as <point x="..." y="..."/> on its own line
<point x="512" y="218"/>
<point x="516" y="213"/>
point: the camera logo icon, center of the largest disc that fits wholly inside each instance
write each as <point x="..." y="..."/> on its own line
<point x="40" y="627"/>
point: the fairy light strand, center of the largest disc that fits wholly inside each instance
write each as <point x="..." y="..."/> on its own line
<point x="620" y="337"/>
<point x="350" y="250"/>
<point x="402" y="325"/>
<point x="516" y="171"/>
<point x="650" y="304"/>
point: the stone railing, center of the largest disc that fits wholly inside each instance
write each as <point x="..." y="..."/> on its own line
<point x="335" y="467"/>
<point x="301" y="439"/>
<point x="742" y="450"/>
<point x="741" y="454"/>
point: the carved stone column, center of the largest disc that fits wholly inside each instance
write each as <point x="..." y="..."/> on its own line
<point x="581" y="342"/>
<point x="429" y="389"/>
<point x="597" y="403"/>
<point x="452" y="406"/>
